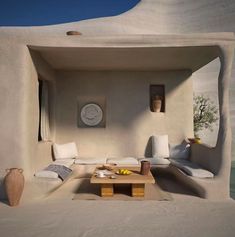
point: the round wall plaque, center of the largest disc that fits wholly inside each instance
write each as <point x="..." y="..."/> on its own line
<point x="91" y="114"/>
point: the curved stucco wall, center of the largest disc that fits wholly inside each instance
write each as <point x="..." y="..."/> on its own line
<point x="159" y="17"/>
<point x="13" y="107"/>
<point x="150" y="16"/>
<point x="153" y="17"/>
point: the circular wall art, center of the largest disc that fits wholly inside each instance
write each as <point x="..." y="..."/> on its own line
<point x="91" y="114"/>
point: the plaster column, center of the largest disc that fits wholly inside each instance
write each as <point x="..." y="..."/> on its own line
<point x="222" y="153"/>
<point x="218" y="159"/>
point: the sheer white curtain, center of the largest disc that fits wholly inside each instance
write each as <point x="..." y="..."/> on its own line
<point x="44" y="116"/>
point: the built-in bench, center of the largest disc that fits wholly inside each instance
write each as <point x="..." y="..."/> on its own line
<point x="83" y="168"/>
<point x="179" y="164"/>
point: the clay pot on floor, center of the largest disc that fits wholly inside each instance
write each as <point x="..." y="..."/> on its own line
<point x="14" y="185"/>
<point x="157" y="104"/>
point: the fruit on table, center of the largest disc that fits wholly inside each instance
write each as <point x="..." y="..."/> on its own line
<point x="124" y="171"/>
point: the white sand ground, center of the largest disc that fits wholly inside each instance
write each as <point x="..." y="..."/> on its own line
<point x="58" y="215"/>
<point x="117" y="218"/>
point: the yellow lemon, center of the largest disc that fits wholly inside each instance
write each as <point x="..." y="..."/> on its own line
<point x="198" y="140"/>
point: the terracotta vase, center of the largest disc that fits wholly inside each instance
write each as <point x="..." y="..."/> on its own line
<point x="14" y="185"/>
<point x="157" y="104"/>
<point x="145" y="167"/>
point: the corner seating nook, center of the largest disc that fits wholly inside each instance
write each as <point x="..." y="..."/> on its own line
<point x="202" y="49"/>
<point x="84" y="168"/>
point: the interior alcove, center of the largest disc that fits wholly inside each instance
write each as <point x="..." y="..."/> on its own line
<point x="122" y="76"/>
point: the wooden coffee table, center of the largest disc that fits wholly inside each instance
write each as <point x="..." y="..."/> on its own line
<point x="136" y="180"/>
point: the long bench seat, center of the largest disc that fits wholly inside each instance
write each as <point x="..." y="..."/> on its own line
<point x="85" y="167"/>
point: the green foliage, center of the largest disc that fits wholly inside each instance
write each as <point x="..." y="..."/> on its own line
<point x="205" y="114"/>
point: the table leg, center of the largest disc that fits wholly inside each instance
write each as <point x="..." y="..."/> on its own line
<point x="106" y="190"/>
<point x="137" y="190"/>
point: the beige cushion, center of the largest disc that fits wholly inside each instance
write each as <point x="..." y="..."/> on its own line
<point x="160" y="148"/>
<point x="192" y="169"/>
<point x="123" y="161"/>
<point x="46" y="174"/>
<point x="65" y="151"/>
<point x="91" y="161"/>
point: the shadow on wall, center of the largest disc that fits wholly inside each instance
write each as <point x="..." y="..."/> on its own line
<point x="148" y="149"/>
<point x="129" y="121"/>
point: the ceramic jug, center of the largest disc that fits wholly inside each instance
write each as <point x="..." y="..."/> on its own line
<point x="14" y="185"/>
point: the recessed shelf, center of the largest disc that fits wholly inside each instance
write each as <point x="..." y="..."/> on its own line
<point x="157" y="98"/>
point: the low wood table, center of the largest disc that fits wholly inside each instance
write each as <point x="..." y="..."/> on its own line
<point x="136" y="180"/>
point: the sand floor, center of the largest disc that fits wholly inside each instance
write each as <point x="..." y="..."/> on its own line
<point x="58" y="215"/>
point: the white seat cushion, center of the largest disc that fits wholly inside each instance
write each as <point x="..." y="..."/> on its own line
<point x="192" y="169"/>
<point x="160" y="148"/>
<point x="123" y="161"/>
<point x="157" y="161"/>
<point x="91" y="161"/>
<point x="65" y="151"/>
<point x="46" y="174"/>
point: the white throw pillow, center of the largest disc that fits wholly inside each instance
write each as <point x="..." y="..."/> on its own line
<point x="179" y="151"/>
<point x="160" y="148"/>
<point x="65" y="151"/>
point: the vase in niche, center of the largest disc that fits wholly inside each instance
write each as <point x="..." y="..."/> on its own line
<point x="14" y="185"/>
<point x="157" y="103"/>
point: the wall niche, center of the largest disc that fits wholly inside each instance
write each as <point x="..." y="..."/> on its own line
<point x="157" y="98"/>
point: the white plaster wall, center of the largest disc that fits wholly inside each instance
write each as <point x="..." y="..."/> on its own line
<point x="151" y="17"/>
<point x="40" y="152"/>
<point x="159" y="17"/>
<point x="169" y="17"/>
<point x="148" y="17"/>
<point x="13" y="106"/>
<point x="19" y="110"/>
<point x="129" y="122"/>
<point x="35" y="154"/>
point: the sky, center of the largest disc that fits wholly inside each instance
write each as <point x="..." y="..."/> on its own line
<point x="48" y="12"/>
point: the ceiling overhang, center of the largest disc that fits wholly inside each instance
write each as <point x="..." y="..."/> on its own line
<point x="147" y="58"/>
<point x="132" y="52"/>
